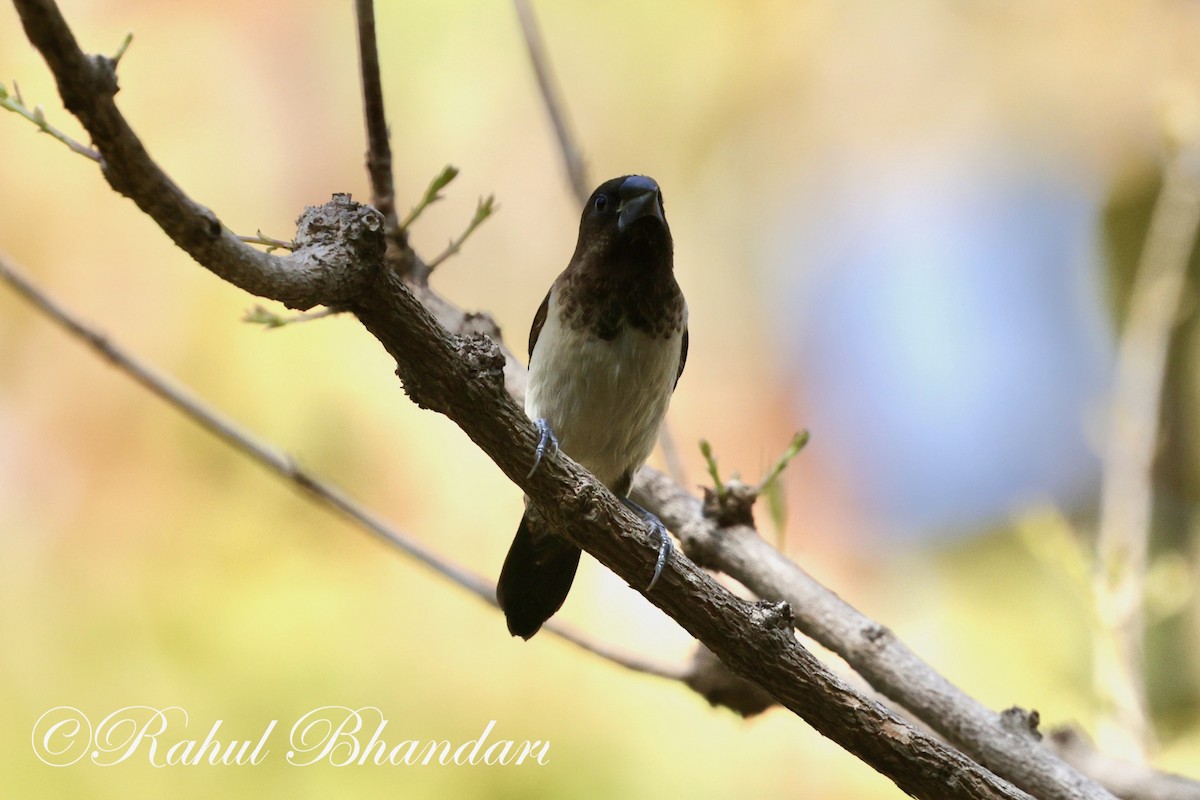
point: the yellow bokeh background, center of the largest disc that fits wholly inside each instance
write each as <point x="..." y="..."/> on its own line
<point x="143" y="562"/>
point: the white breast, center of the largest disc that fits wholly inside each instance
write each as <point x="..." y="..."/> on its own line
<point x="603" y="399"/>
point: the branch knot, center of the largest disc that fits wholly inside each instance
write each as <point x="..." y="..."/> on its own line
<point x="1022" y="722"/>
<point x="342" y="243"/>
<point x="775" y="615"/>
<point x="732" y="505"/>
<point x="104" y="74"/>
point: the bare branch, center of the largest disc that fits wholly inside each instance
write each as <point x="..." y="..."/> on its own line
<point x="462" y="378"/>
<point x="1126" y="780"/>
<point x="379" y="152"/>
<point x="572" y="160"/>
<point x="671" y="455"/>
<point x="619" y="657"/>
<point x="87" y="85"/>
<point x="228" y="431"/>
<point x="1130" y="448"/>
<point x="465" y="378"/>
<point x="706" y="675"/>
<point x="871" y="649"/>
<point x="285" y="466"/>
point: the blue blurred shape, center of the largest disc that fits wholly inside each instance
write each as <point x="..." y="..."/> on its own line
<point x="946" y="337"/>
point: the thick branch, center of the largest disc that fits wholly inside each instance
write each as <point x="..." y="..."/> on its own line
<point x="88" y="85"/>
<point x="871" y="649"/>
<point x="463" y="378"/>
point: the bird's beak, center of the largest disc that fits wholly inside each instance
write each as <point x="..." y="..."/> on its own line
<point x="638" y="199"/>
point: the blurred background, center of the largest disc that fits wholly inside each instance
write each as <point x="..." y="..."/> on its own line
<point x="910" y="228"/>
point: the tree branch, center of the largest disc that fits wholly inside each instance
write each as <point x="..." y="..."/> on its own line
<point x="325" y="494"/>
<point x="572" y="160"/>
<point x="88" y="85"/>
<point x="379" y="151"/>
<point x="464" y="377"/>
<point x="1127" y="781"/>
<point x="1122" y="546"/>
<point x="244" y="442"/>
<point x="886" y="663"/>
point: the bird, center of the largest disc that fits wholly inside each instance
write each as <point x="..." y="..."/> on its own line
<point x="606" y="350"/>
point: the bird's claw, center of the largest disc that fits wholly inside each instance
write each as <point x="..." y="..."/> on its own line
<point x="546" y="438"/>
<point x="665" y="547"/>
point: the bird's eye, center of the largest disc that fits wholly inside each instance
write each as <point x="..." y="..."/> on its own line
<point x="601" y="203"/>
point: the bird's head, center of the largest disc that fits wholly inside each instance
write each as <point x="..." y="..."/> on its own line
<point x="623" y="224"/>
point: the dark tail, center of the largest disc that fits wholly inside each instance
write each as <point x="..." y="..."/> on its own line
<point x="536" y="577"/>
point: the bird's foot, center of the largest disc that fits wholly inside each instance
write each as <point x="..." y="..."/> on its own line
<point x="546" y="439"/>
<point x="664" y="539"/>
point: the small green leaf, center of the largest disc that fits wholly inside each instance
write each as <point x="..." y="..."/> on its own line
<point x="776" y="505"/>
<point x="123" y="47"/>
<point x="431" y="196"/>
<point x="713" y="472"/>
<point x="483" y="210"/>
<point x="261" y="316"/>
<point x="448" y="173"/>
<point x="793" y="449"/>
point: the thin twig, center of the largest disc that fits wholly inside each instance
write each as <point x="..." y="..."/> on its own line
<point x="87" y="85"/>
<point x="799" y="440"/>
<point x="379" y="152"/>
<point x="484" y="209"/>
<point x="619" y="657"/>
<point x="1125" y="518"/>
<point x="671" y="455"/>
<point x="714" y="472"/>
<point x="260" y="315"/>
<point x="285" y="466"/>
<point x="122" y="48"/>
<point x="270" y="242"/>
<point x="37" y="115"/>
<point x="572" y="160"/>
<point x="433" y="193"/>
<point x="228" y="431"/>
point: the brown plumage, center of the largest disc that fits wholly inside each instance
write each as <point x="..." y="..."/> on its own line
<point x="606" y="349"/>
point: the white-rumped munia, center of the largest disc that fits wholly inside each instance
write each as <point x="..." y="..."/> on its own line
<point x="606" y="349"/>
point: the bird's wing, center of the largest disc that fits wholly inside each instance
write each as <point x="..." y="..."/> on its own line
<point x="682" y="351"/>
<point x="539" y="319"/>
